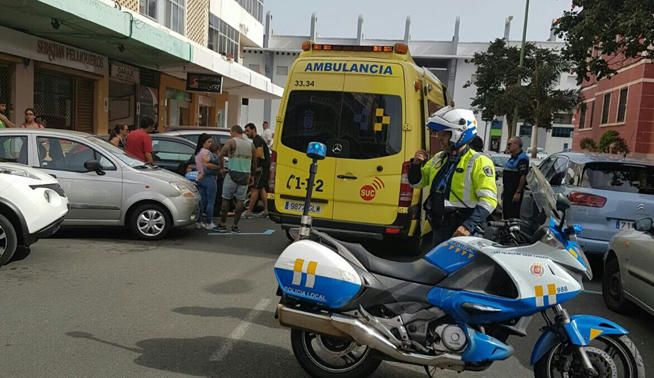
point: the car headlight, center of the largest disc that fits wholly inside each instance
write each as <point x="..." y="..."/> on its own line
<point x="181" y="188"/>
<point x="17" y="172"/>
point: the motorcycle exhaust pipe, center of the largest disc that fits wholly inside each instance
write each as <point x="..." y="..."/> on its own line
<point x="353" y="329"/>
<point x="308" y="321"/>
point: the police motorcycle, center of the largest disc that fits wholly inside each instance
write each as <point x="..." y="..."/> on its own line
<point x="454" y="308"/>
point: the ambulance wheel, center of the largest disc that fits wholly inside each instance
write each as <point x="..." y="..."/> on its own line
<point x="330" y="357"/>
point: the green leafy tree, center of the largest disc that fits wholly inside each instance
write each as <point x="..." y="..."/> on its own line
<point x="588" y="144"/>
<point x="600" y="34"/>
<point x="497" y="78"/>
<point x="612" y="142"/>
<point x="502" y="85"/>
<point x="539" y="100"/>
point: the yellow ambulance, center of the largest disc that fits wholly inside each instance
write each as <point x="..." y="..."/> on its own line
<point x="368" y="105"/>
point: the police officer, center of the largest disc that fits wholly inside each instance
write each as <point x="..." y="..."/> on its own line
<point x="514" y="179"/>
<point x="463" y="191"/>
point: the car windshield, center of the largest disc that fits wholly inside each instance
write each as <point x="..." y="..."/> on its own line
<point x="352" y="125"/>
<point x="619" y="177"/>
<point x="117" y="152"/>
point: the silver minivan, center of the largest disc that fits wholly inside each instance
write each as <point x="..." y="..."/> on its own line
<point x="104" y="185"/>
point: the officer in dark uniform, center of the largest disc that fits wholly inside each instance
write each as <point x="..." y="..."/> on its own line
<point x="514" y="179"/>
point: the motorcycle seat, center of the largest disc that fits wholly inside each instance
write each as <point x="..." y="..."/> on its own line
<point x="418" y="270"/>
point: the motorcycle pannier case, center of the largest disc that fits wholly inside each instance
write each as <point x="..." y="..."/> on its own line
<point x="311" y="272"/>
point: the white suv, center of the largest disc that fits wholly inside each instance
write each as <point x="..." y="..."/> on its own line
<point x="32" y="206"/>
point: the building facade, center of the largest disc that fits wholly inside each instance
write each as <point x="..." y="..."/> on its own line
<point x="88" y="65"/>
<point x="624" y="103"/>
<point x="448" y="60"/>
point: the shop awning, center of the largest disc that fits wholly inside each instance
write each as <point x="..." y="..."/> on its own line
<point x="104" y="28"/>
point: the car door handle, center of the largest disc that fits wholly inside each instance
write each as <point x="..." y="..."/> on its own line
<point x="347" y="177"/>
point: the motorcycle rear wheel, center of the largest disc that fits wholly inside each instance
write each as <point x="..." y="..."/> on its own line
<point x="611" y="356"/>
<point x="330" y="357"/>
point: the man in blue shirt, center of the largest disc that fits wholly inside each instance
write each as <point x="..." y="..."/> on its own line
<point x="514" y="179"/>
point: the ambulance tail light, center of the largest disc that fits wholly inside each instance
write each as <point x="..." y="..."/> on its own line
<point x="273" y="167"/>
<point x="406" y="191"/>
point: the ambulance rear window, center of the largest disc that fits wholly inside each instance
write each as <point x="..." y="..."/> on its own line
<point x="352" y="125"/>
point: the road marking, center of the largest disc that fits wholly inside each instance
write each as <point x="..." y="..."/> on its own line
<point x="592" y="292"/>
<point x="238" y="332"/>
<point x="265" y="233"/>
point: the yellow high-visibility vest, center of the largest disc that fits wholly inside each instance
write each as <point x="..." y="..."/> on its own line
<point x="473" y="180"/>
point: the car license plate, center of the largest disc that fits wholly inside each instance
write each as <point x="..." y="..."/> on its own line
<point x="624" y="225"/>
<point x="299" y="207"/>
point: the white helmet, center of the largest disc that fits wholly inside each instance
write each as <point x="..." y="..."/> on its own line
<point x="460" y="122"/>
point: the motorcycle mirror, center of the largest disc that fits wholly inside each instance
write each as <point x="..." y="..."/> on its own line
<point x="562" y="203"/>
<point x="316" y="151"/>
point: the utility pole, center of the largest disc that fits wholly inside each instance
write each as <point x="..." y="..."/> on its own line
<point x="514" y="122"/>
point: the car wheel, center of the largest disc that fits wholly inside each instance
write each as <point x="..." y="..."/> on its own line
<point x="150" y="222"/>
<point x="8" y="240"/>
<point x="612" y="290"/>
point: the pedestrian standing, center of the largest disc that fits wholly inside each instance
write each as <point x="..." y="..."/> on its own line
<point x="118" y="135"/>
<point x="206" y="181"/>
<point x="30" y="120"/>
<point x="4" y="120"/>
<point x="241" y="162"/>
<point x="261" y="175"/>
<point x="139" y="143"/>
<point x="267" y="134"/>
<point x="514" y="179"/>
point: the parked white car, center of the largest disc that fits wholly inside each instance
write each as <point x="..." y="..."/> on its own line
<point x="32" y="206"/>
<point x="629" y="269"/>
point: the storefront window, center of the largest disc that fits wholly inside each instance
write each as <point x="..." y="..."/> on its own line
<point x="53" y="99"/>
<point x="148" y="103"/>
<point x="5" y="91"/>
<point x="178" y="107"/>
<point x="122" y="100"/>
<point x="223" y="38"/>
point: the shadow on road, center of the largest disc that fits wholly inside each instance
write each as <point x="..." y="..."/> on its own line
<point x="193" y="357"/>
<point x="263" y="318"/>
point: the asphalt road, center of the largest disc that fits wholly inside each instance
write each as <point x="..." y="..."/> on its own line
<point x="96" y="303"/>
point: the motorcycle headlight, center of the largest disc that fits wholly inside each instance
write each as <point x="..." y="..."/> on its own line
<point x="550" y="239"/>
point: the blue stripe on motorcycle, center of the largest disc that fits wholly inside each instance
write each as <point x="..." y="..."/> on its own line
<point x="451" y="301"/>
<point x="450" y="256"/>
<point x="329" y="292"/>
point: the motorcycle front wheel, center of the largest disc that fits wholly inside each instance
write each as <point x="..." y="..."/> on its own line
<point x="611" y="356"/>
<point x="330" y="357"/>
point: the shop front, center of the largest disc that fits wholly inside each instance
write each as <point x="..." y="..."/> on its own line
<point x="66" y="86"/>
<point x="123" y="94"/>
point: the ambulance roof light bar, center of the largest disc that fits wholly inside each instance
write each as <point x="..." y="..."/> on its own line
<point x="399" y="48"/>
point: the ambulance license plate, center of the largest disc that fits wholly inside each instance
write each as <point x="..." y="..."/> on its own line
<point x="299" y="207"/>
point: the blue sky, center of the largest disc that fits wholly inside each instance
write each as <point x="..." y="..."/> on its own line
<point x="481" y="20"/>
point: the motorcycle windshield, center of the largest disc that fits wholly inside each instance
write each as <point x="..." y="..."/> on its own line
<point x="542" y="193"/>
<point x="545" y="200"/>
